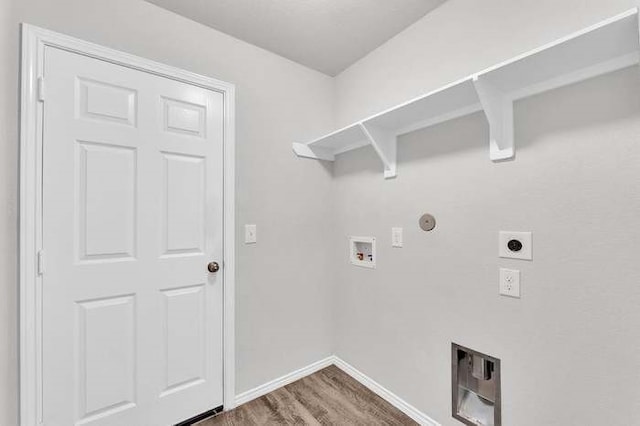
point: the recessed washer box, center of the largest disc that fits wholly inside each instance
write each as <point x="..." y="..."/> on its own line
<point x="476" y="398"/>
<point x="362" y="251"/>
<point x="515" y="245"/>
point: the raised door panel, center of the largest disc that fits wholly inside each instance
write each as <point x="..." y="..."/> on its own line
<point x="184" y="209"/>
<point x="97" y="100"/>
<point x="184" y="118"/>
<point x="107" y="355"/>
<point x="184" y="340"/>
<point x="106" y="201"/>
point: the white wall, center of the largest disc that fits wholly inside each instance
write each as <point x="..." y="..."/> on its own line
<point x="282" y="309"/>
<point x="570" y="346"/>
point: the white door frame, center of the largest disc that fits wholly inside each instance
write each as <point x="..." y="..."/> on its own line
<point x="34" y="41"/>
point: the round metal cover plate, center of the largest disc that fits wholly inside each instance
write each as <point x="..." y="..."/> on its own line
<point x="427" y="222"/>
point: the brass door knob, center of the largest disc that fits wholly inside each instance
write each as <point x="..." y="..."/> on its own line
<point x="213" y="267"/>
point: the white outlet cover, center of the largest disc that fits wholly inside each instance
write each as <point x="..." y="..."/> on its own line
<point x="525" y="253"/>
<point x="510" y="282"/>
<point x="250" y="234"/>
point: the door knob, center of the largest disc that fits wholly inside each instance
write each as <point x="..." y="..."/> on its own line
<point x="213" y="267"/>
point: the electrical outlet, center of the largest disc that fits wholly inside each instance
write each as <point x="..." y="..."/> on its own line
<point x="510" y="282"/>
<point x="515" y="245"/>
<point x="396" y="237"/>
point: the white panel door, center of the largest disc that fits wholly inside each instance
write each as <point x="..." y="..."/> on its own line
<point x="132" y="215"/>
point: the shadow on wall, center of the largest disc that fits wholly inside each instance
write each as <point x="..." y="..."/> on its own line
<point x="598" y="100"/>
<point x="602" y="100"/>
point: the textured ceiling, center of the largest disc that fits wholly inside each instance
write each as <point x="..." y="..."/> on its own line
<point x="327" y="35"/>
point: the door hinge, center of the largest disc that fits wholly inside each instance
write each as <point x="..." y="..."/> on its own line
<point x="41" y="92"/>
<point x="41" y="264"/>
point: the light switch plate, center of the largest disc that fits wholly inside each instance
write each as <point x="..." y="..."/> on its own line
<point x="250" y="234"/>
<point x="522" y="251"/>
<point x="396" y="237"/>
<point x="510" y="282"/>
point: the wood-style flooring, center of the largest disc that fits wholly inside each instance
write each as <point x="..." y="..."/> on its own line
<point x="328" y="397"/>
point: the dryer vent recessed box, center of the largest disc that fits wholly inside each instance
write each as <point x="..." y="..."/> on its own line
<point x="362" y="251"/>
<point x="475" y="387"/>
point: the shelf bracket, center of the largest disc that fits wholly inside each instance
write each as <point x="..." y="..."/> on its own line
<point x="385" y="145"/>
<point x="317" y="153"/>
<point x="498" y="108"/>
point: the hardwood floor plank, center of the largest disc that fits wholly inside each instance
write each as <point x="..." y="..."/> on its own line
<point x="327" y="397"/>
<point x="366" y="401"/>
<point x="290" y="409"/>
<point x="325" y="404"/>
<point x="257" y="412"/>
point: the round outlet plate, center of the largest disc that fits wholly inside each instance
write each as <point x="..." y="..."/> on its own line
<point x="427" y="222"/>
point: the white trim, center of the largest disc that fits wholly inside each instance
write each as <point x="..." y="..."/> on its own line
<point x="365" y="380"/>
<point x="34" y="41"/>
<point x="229" y="251"/>
<point x="385" y="394"/>
<point x="264" y="389"/>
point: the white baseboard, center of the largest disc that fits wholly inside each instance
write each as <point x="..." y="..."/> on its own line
<point x="385" y="394"/>
<point x="371" y="384"/>
<point x="264" y="389"/>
